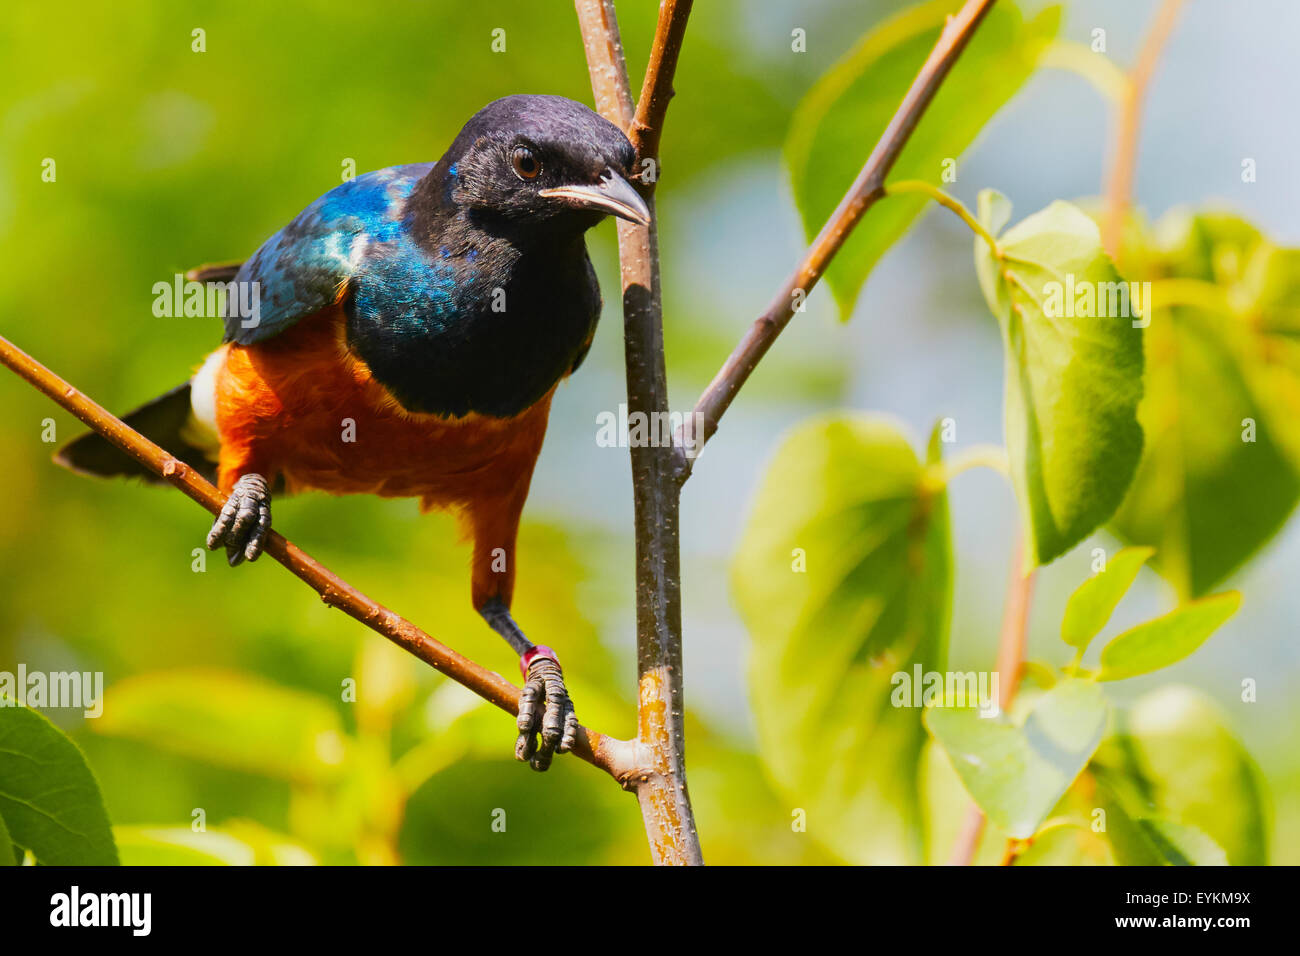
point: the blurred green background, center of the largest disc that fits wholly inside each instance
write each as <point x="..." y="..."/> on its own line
<point x="167" y="158"/>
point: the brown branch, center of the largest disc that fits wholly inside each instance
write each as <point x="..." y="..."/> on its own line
<point x="1120" y="188"/>
<point x="862" y="195"/>
<point x="657" y="88"/>
<point x="660" y="782"/>
<point x="609" y="754"/>
<point x="605" y="62"/>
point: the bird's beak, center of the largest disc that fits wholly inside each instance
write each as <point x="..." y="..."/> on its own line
<point x="613" y="194"/>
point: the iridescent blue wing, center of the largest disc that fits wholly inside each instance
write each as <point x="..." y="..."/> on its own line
<point x="306" y="265"/>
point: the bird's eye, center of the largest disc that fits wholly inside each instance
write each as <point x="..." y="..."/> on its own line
<point x="526" y="165"/>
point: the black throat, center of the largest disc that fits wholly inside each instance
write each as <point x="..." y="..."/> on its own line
<point x="472" y="312"/>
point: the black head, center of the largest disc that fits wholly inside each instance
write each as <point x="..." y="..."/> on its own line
<point x="543" y="160"/>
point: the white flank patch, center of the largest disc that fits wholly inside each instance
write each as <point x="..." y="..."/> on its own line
<point x="201" y="429"/>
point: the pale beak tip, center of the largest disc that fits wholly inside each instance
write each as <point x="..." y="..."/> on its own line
<point x="640" y="217"/>
<point x="613" y="195"/>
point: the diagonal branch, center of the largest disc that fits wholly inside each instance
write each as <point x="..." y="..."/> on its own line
<point x="862" y="195"/>
<point x="609" y="754"/>
<point x="660" y="781"/>
<point x="657" y="89"/>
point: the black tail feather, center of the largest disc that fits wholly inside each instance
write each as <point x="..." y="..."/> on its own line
<point x="162" y="421"/>
<point x="214" y="272"/>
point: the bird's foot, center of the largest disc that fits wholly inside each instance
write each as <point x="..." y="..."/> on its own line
<point x="244" y="522"/>
<point x="545" y="709"/>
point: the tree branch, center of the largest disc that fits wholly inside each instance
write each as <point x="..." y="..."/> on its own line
<point x="1120" y="187"/>
<point x="605" y="62"/>
<point x="862" y="195"/>
<point x="657" y="88"/>
<point x="616" y="757"/>
<point x="660" y="783"/>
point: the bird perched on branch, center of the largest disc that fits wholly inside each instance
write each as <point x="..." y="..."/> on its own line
<point x="403" y="336"/>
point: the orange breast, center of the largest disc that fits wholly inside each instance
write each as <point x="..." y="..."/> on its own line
<point x="302" y="406"/>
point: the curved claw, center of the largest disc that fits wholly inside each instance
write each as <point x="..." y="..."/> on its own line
<point x="244" y="522"/>
<point x="546" y="711"/>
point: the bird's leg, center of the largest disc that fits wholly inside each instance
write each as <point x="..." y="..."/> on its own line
<point x="545" y="710"/>
<point x="245" y="521"/>
<point x="544" y="705"/>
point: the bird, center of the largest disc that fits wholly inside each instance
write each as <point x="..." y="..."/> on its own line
<point x="403" y="336"/>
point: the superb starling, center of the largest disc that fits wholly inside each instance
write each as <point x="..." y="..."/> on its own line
<point x="406" y="333"/>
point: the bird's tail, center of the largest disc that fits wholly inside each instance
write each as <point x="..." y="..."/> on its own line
<point x="166" y="421"/>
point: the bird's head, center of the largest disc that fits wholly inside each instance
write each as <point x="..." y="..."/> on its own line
<point x="543" y="160"/>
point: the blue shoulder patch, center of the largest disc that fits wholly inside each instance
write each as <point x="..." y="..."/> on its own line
<point x="300" y="269"/>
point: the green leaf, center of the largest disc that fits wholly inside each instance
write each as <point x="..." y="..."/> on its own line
<point x="229" y="719"/>
<point x="478" y="812"/>
<point x="1182" y="845"/>
<point x="1167" y="639"/>
<point x="1072" y="382"/>
<point x="7" y="853"/>
<point x="178" y="846"/>
<point x="49" y="799"/>
<point x="1139" y="839"/>
<point x="1123" y="829"/>
<point x="1174" y="759"/>
<point x="1203" y="498"/>
<point x="1210" y="245"/>
<point x="850" y="106"/>
<point x="1094" y="601"/>
<point x="1220" y="473"/>
<point x="240" y="843"/>
<point x="993" y="210"/>
<point x="1067" y="844"/>
<point x="1017" y="774"/>
<point x="847" y="501"/>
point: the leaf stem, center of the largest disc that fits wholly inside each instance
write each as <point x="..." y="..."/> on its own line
<point x="977" y="456"/>
<point x="1097" y="68"/>
<point x="949" y="202"/>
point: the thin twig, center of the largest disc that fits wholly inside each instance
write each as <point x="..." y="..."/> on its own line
<point x="1015" y="628"/>
<point x="1011" y="657"/>
<point x="1119" y="190"/>
<point x="862" y="195"/>
<point x="609" y="754"/>
<point x="660" y="781"/>
<point x="605" y="62"/>
<point x="968" y="840"/>
<point x="657" y="88"/>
